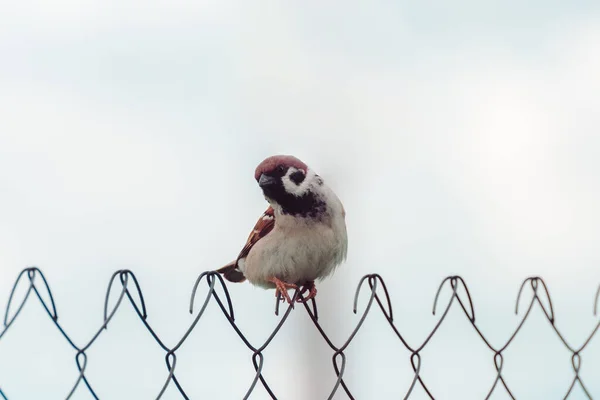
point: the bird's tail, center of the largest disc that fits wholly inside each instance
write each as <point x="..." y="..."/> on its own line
<point x="232" y="273"/>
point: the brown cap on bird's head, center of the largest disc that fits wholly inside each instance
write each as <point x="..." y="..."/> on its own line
<point x="271" y="163"/>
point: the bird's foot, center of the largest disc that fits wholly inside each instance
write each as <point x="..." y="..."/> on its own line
<point x="282" y="287"/>
<point x="312" y="292"/>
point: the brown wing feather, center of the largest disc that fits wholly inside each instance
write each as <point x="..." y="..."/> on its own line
<point x="265" y="224"/>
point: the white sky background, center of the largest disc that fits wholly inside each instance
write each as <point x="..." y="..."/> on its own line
<point x="461" y="136"/>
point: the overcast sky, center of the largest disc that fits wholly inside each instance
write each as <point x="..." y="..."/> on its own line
<point x="461" y="136"/>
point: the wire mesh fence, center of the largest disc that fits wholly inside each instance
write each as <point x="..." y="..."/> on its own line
<point x="378" y="299"/>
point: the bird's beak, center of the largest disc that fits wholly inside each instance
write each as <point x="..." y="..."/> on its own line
<point x="265" y="181"/>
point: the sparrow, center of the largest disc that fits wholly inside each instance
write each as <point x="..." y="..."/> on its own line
<point x="301" y="236"/>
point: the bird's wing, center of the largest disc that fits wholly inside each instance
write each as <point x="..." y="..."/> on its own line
<point x="265" y="224"/>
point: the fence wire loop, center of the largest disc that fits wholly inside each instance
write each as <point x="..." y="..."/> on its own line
<point x="534" y="281"/>
<point x="127" y="273"/>
<point x="31" y="273"/>
<point x="389" y="315"/>
<point x="218" y="291"/>
<point x="454" y="285"/>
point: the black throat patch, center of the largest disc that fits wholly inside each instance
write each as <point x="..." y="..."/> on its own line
<point x="307" y="205"/>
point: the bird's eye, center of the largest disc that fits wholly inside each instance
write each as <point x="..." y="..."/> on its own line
<point x="280" y="169"/>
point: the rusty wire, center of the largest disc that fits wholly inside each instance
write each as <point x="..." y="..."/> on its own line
<point x="377" y="293"/>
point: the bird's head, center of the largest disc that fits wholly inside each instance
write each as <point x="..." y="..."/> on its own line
<point x="288" y="182"/>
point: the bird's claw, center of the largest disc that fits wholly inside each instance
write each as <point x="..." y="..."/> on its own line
<point x="312" y="292"/>
<point x="281" y="288"/>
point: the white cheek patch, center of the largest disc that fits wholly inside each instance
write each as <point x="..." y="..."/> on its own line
<point x="292" y="188"/>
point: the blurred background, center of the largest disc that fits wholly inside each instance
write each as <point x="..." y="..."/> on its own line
<point x="461" y="136"/>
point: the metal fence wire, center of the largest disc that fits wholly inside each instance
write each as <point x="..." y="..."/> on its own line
<point x="377" y="294"/>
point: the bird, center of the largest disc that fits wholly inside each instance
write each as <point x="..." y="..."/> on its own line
<point x="300" y="238"/>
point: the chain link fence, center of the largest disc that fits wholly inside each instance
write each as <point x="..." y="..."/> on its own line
<point x="378" y="299"/>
